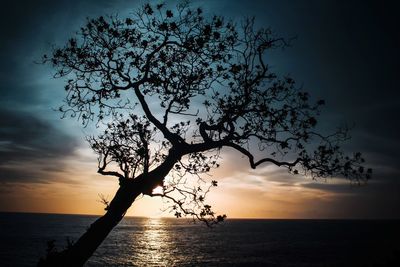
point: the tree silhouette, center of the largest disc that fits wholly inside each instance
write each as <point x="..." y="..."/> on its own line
<point x="172" y="88"/>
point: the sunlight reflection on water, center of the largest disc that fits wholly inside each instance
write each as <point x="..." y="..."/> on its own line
<point x="143" y="242"/>
<point x="154" y="244"/>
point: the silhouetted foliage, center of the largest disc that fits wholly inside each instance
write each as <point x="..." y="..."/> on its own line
<point x="172" y="87"/>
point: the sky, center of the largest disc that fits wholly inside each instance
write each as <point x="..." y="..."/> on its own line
<point x="344" y="52"/>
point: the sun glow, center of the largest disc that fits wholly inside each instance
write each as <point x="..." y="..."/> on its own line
<point x="158" y="190"/>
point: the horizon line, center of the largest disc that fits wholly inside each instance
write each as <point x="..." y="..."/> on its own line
<point x="188" y="218"/>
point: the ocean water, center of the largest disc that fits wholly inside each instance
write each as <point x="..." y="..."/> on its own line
<point x="173" y="242"/>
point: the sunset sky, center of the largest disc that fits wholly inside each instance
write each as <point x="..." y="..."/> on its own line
<point x="346" y="53"/>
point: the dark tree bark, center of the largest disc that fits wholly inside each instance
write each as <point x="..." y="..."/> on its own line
<point x="79" y="252"/>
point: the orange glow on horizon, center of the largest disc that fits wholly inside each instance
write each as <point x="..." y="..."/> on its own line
<point x="241" y="193"/>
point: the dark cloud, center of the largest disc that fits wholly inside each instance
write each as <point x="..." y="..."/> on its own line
<point x="33" y="147"/>
<point x="30" y="146"/>
<point x="374" y="200"/>
<point x="337" y="188"/>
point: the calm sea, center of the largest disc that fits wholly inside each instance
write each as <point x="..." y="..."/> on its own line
<point x="173" y="242"/>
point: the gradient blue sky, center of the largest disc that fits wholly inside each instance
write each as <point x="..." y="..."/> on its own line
<point x="346" y="53"/>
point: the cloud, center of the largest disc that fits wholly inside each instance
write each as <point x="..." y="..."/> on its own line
<point x="30" y="147"/>
<point x="337" y="188"/>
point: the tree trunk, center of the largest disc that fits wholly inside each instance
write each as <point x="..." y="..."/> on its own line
<point x="78" y="253"/>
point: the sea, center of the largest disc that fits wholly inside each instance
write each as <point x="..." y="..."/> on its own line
<point x="180" y="242"/>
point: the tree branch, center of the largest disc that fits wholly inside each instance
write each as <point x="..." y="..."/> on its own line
<point x="253" y="164"/>
<point x="173" y="138"/>
<point x="110" y="173"/>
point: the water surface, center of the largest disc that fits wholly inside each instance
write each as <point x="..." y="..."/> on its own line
<point x="173" y="242"/>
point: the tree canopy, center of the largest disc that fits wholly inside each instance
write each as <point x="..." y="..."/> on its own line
<point x="173" y="87"/>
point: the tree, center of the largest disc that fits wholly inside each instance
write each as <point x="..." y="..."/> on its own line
<point x="172" y="88"/>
